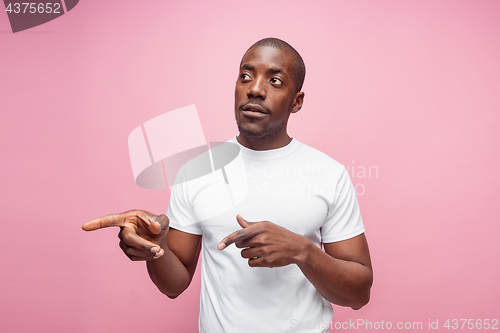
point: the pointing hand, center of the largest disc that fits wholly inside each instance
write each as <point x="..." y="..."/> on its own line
<point x="140" y="235"/>
<point x="265" y="244"/>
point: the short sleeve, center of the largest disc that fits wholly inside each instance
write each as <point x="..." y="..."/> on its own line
<point x="343" y="220"/>
<point x="180" y="211"/>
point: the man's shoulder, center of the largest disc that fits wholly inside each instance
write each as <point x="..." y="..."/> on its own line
<point x="316" y="155"/>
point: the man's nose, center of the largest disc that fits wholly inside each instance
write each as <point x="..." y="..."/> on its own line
<point x="256" y="89"/>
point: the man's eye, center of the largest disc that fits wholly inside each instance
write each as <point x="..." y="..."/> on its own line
<point x="245" y="76"/>
<point x="277" y="81"/>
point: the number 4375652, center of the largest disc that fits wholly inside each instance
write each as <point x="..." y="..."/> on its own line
<point x="26" y="7"/>
<point x="470" y="324"/>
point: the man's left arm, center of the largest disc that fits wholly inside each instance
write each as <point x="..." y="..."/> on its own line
<point x="342" y="275"/>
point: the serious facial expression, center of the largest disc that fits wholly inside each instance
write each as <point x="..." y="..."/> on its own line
<point x="265" y="93"/>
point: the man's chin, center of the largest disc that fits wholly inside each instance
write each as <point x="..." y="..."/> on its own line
<point x="258" y="134"/>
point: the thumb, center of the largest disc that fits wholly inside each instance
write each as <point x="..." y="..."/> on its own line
<point x="242" y="222"/>
<point x="158" y="224"/>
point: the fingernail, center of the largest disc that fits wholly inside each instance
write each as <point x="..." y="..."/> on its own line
<point x="155" y="249"/>
<point x="222" y="246"/>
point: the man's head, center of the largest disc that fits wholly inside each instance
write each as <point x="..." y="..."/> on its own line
<point x="299" y="68"/>
<point x="267" y="91"/>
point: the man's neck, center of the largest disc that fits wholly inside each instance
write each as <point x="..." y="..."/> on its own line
<point x="263" y="144"/>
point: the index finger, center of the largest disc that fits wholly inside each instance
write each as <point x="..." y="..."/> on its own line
<point x="236" y="236"/>
<point x="112" y="220"/>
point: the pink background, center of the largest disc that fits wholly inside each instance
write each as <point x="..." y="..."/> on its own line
<point x="409" y="87"/>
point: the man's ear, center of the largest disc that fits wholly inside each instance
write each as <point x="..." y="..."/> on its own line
<point x="297" y="102"/>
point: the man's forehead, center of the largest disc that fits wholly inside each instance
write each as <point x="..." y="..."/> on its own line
<point x="272" y="57"/>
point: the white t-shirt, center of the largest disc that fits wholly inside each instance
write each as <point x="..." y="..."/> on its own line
<point x="296" y="187"/>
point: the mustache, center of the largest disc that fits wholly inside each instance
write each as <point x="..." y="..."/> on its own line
<point x="255" y="102"/>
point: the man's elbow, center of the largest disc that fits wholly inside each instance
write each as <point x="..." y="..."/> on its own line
<point x="364" y="295"/>
<point x="362" y="301"/>
<point x="171" y="293"/>
<point x="172" y="296"/>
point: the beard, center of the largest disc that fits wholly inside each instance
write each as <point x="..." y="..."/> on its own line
<point x="264" y="134"/>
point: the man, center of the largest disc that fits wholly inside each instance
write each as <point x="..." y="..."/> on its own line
<point x="298" y="200"/>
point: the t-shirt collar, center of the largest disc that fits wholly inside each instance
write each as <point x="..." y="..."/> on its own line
<point x="268" y="154"/>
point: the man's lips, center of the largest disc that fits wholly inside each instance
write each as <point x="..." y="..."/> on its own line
<point x="254" y="109"/>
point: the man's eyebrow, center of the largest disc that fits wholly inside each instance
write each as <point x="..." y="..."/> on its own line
<point x="272" y="70"/>
<point x="276" y="70"/>
<point x="248" y="67"/>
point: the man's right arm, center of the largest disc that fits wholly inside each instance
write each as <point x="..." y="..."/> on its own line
<point x="172" y="273"/>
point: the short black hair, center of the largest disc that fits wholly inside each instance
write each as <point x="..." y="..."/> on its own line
<point x="299" y="68"/>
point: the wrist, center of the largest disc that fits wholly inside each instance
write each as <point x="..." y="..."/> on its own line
<point x="304" y="248"/>
<point x="163" y="243"/>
